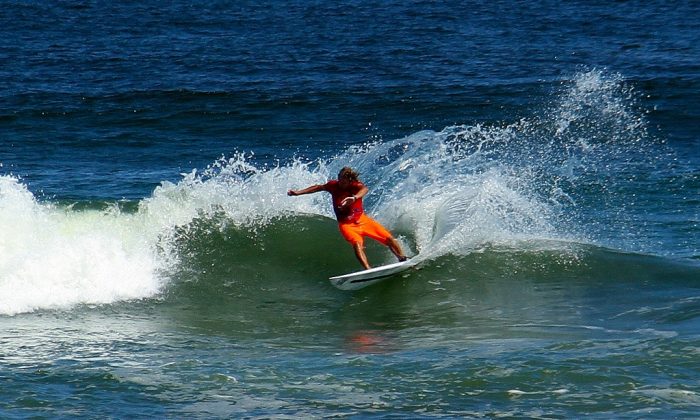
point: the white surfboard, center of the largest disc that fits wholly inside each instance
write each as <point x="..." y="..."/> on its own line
<point x="360" y="279"/>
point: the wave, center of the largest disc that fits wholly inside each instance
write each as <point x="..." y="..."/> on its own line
<point x="559" y="178"/>
<point x="291" y="259"/>
<point x="310" y="247"/>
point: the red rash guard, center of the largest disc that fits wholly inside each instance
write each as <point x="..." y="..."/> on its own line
<point x="351" y="212"/>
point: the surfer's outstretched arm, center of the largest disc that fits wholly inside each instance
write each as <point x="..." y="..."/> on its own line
<point x="307" y="190"/>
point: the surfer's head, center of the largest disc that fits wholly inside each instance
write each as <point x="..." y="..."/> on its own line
<point x="347" y="174"/>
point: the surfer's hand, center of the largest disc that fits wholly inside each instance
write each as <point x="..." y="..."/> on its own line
<point x="292" y="193"/>
<point x="348" y="200"/>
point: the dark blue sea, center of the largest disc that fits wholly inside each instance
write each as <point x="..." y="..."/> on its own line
<point x="539" y="160"/>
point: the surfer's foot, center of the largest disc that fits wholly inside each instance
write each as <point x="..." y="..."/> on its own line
<point x="403" y="258"/>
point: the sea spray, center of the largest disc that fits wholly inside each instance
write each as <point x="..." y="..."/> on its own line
<point x="241" y="192"/>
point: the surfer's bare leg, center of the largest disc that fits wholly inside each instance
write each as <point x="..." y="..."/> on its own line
<point x="394" y="246"/>
<point x="360" y="254"/>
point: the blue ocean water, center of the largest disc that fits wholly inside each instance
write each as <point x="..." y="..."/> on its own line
<point x="541" y="160"/>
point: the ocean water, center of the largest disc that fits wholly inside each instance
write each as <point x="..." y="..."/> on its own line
<point x="541" y="161"/>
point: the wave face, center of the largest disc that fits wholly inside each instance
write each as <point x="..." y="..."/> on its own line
<point x="584" y="171"/>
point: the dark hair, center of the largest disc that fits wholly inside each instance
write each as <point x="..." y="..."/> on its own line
<point x="349" y="174"/>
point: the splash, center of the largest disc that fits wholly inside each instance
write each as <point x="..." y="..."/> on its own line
<point x="469" y="187"/>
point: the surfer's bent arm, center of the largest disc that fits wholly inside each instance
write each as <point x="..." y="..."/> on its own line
<point x="309" y="190"/>
<point x="349" y="200"/>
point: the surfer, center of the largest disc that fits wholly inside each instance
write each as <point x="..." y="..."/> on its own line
<point x="347" y="192"/>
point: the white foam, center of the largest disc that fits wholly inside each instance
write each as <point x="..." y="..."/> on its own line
<point x="671" y="395"/>
<point x="53" y="258"/>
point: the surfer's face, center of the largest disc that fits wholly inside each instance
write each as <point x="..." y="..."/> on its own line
<point x="344" y="182"/>
<point x="346" y="177"/>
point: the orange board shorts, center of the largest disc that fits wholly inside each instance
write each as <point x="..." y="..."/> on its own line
<point x="354" y="232"/>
